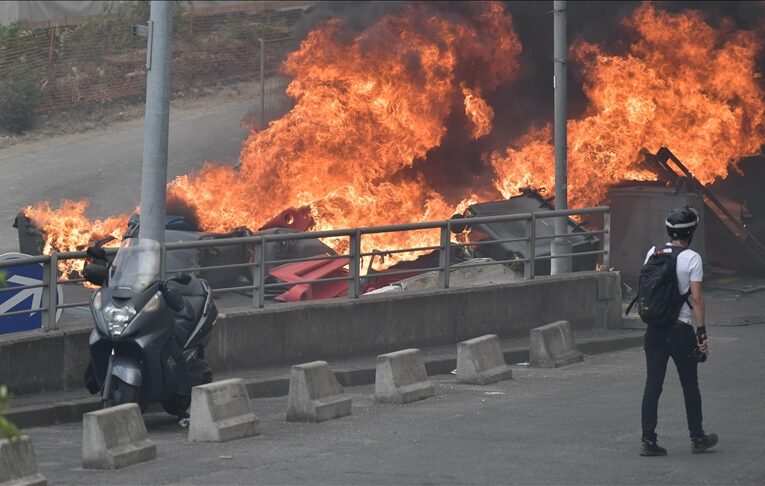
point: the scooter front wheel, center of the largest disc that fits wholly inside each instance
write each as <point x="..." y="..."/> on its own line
<point x="120" y="393"/>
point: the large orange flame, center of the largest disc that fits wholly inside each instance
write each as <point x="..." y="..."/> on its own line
<point x="478" y="112"/>
<point x="367" y="106"/>
<point x="68" y="229"/>
<point x="682" y="84"/>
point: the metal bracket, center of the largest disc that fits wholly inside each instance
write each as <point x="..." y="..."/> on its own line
<point x="140" y="30"/>
<point x="145" y="31"/>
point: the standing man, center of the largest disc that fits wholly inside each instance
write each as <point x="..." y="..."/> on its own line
<point x="678" y="339"/>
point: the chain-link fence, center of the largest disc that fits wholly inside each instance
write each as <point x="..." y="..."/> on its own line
<point x="52" y="67"/>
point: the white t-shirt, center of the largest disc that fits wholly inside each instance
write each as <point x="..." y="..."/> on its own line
<point x="689" y="269"/>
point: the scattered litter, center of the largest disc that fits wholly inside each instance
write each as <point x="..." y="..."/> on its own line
<point x="494" y="393"/>
<point x="226" y="457"/>
<point x="525" y="363"/>
<point x="453" y="372"/>
<point x="751" y="289"/>
<point x="184" y="422"/>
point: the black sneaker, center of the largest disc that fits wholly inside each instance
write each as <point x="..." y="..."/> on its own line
<point x="648" y="448"/>
<point x="702" y="444"/>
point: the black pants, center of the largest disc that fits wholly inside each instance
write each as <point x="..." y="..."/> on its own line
<point x="677" y="342"/>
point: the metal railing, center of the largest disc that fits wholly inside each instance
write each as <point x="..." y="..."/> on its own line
<point x="258" y="262"/>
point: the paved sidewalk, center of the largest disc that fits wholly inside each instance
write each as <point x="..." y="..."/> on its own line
<point x="574" y="425"/>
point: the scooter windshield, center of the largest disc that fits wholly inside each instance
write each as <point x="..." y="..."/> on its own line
<point x="136" y="265"/>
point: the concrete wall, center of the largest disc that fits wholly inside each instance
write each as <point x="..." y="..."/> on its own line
<point x="295" y="333"/>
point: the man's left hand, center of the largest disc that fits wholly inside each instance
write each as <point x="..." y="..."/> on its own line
<point x="704" y="347"/>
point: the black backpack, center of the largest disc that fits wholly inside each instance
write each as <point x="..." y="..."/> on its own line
<point x="658" y="298"/>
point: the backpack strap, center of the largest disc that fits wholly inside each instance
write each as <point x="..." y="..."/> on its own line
<point x="686" y="296"/>
<point x="629" y="307"/>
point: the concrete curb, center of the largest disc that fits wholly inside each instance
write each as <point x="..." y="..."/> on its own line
<point x="116" y="437"/>
<point x="72" y="410"/>
<point x="18" y="463"/>
<point x="221" y="411"/>
<point x="480" y="361"/>
<point x="315" y="394"/>
<point x="553" y="345"/>
<point x="401" y="378"/>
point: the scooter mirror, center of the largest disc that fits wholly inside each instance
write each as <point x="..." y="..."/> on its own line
<point x="95" y="274"/>
<point x="96" y="252"/>
<point x="182" y="278"/>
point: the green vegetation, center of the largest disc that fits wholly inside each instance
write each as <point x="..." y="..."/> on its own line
<point x="19" y="93"/>
<point x="7" y="429"/>
<point x="10" y="30"/>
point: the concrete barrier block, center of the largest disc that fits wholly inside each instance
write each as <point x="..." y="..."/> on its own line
<point x="480" y="361"/>
<point x="401" y="377"/>
<point x="18" y="465"/>
<point x="221" y="411"/>
<point x="315" y="394"/>
<point x="553" y="345"/>
<point x="115" y="437"/>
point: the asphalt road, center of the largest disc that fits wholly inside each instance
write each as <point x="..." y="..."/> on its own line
<point x="104" y="166"/>
<point x="574" y="425"/>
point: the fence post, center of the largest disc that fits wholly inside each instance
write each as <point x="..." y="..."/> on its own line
<point x="607" y="240"/>
<point x="259" y="275"/>
<point x="531" y="235"/>
<point x="444" y="257"/>
<point x="262" y="83"/>
<point x="354" y="265"/>
<point x="52" y="46"/>
<point x="50" y="278"/>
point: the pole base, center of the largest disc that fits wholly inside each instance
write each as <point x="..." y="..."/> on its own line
<point x="561" y="265"/>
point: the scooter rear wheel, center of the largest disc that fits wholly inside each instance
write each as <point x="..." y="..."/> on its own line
<point x="120" y="393"/>
<point x="177" y="405"/>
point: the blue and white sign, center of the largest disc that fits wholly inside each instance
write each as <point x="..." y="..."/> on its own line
<point x="24" y="299"/>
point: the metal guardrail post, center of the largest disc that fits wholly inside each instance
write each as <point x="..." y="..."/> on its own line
<point x="531" y="234"/>
<point x="444" y="257"/>
<point x="50" y="277"/>
<point x="354" y="265"/>
<point x="259" y="275"/>
<point x="607" y="240"/>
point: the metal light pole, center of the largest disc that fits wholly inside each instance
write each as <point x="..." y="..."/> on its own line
<point x="154" y="173"/>
<point x="560" y="245"/>
<point x="262" y="83"/>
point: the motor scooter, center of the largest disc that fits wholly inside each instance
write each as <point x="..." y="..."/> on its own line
<point x="148" y="344"/>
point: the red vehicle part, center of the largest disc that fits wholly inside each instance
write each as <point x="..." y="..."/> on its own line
<point x="295" y="218"/>
<point x="314" y="270"/>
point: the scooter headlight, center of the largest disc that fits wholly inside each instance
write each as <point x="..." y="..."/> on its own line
<point x="118" y="318"/>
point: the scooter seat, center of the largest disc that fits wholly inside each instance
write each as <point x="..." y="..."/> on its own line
<point x="192" y="289"/>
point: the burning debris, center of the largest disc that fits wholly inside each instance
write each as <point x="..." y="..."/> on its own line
<point x="380" y="114"/>
<point x="528" y="202"/>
